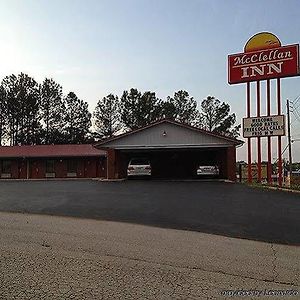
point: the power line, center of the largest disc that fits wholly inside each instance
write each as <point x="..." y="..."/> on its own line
<point x="297" y="113"/>
<point x="281" y="153"/>
<point x="292" y="111"/>
<point x="294" y="107"/>
<point x="296" y="100"/>
<point x="296" y="116"/>
<point x="294" y="126"/>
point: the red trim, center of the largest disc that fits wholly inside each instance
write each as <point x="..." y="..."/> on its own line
<point x="70" y="150"/>
<point x="236" y="141"/>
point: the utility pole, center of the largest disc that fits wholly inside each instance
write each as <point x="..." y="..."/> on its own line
<point x="289" y="135"/>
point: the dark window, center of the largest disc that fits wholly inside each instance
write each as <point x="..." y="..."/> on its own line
<point x="50" y="166"/>
<point x="72" y="166"/>
<point x="139" y="161"/>
<point x="6" y="167"/>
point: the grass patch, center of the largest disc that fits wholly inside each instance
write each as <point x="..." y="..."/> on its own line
<point x="293" y="187"/>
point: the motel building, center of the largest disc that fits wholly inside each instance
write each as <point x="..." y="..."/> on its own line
<point x="52" y="161"/>
<point x="175" y="150"/>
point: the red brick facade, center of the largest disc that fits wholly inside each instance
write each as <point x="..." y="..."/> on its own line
<point x="86" y="167"/>
<point x="231" y="162"/>
<point x="52" y="161"/>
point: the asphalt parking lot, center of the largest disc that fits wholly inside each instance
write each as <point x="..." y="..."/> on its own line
<point x="212" y="207"/>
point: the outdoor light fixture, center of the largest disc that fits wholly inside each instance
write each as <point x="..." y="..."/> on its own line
<point x="164" y="133"/>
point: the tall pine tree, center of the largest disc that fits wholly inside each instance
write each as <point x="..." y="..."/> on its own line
<point x="216" y="117"/>
<point x="52" y="112"/>
<point x="3" y="116"/>
<point x="138" y="110"/>
<point x="77" y="120"/>
<point x="182" y="108"/>
<point x="107" y="116"/>
<point x="22" y="107"/>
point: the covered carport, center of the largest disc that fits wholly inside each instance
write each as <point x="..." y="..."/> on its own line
<point x="175" y="150"/>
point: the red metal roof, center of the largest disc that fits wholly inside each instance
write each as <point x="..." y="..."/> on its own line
<point x="50" y="151"/>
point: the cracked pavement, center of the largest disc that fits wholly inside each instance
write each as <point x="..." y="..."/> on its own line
<point x="47" y="257"/>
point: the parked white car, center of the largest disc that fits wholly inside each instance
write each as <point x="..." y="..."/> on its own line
<point x="139" y="167"/>
<point x="297" y="172"/>
<point x="208" y="171"/>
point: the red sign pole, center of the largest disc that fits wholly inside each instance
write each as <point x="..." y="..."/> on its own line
<point x="279" y="137"/>
<point x="269" y="168"/>
<point x="249" y="139"/>
<point x="258" y="139"/>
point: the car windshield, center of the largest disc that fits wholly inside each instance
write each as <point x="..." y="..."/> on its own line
<point x="139" y="161"/>
<point x="207" y="167"/>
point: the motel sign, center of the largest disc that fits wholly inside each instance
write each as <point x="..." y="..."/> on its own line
<point x="264" y="64"/>
<point x="263" y="126"/>
<point x="264" y="58"/>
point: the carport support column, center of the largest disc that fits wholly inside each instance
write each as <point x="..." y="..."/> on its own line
<point x="27" y="168"/>
<point x="231" y="163"/>
<point x="111" y="163"/>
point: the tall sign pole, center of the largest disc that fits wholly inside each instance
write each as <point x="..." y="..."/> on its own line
<point x="269" y="166"/>
<point x="249" y="139"/>
<point x="258" y="138"/>
<point x="279" y="136"/>
<point x="264" y="58"/>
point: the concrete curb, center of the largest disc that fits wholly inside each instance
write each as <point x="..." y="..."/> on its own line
<point x="274" y="188"/>
<point x="48" y="179"/>
<point x="167" y="180"/>
<point x="282" y="189"/>
<point x="109" y="180"/>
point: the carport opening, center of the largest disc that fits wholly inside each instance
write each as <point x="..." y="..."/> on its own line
<point x="177" y="163"/>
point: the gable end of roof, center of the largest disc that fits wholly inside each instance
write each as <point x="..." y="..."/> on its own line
<point x="114" y="138"/>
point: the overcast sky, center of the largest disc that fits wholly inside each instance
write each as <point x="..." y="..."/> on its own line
<point x="99" y="47"/>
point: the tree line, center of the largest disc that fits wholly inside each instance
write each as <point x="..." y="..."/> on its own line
<point x="33" y="113"/>
<point x="135" y="109"/>
<point x="39" y="113"/>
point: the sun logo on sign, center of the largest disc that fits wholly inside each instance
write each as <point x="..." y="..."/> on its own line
<point x="262" y="41"/>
